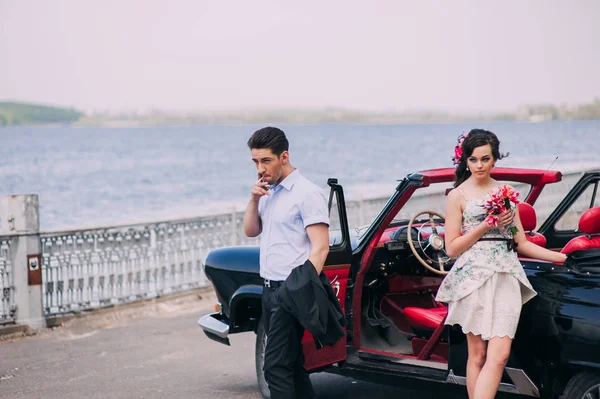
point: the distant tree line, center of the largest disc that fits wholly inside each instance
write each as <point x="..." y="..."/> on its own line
<point x="13" y="113"/>
<point x="532" y="113"/>
<point x="560" y="112"/>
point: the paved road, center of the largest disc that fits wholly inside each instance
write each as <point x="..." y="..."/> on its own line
<point x="155" y="353"/>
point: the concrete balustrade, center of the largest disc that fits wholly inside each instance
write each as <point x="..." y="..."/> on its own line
<point x="20" y="266"/>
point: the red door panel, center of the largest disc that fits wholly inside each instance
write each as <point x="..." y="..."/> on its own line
<point x="313" y="357"/>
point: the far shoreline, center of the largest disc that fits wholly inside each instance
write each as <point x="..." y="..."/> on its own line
<point x="27" y="115"/>
<point x="136" y="124"/>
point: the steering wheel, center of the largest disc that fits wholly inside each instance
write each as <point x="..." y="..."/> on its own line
<point x="434" y="241"/>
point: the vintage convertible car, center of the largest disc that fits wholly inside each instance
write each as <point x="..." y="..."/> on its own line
<point x="386" y="278"/>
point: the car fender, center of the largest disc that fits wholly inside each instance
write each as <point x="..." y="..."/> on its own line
<point x="243" y="318"/>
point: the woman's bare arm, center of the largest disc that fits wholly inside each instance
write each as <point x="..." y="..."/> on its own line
<point x="456" y="243"/>
<point x="530" y="250"/>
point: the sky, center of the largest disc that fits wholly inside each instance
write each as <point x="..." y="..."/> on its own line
<point x="189" y="55"/>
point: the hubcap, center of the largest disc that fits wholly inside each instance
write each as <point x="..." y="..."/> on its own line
<point x="592" y="393"/>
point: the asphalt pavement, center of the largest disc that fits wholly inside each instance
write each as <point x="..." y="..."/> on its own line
<point x="151" y="351"/>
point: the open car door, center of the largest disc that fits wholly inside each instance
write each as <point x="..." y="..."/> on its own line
<point x="337" y="268"/>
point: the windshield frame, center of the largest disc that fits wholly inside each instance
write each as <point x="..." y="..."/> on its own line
<point x="536" y="178"/>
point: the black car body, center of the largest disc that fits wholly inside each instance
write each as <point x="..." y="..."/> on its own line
<point x="395" y="330"/>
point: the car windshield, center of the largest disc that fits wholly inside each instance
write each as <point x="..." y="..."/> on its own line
<point x="426" y="198"/>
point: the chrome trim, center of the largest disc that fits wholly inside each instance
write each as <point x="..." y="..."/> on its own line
<point x="214" y="326"/>
<point x="451" y="379"/>
<point x="522" y="382"/>
<point x="421" y="363"/>
<point x="404" y="361"/>
<point x="459" y="380"/>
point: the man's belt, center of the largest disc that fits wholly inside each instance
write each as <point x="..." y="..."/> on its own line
<point x="272" y="283"/>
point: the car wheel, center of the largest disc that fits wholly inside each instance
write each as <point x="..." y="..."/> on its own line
<point x="583" y="386"/>
<point x="259" y="359"/>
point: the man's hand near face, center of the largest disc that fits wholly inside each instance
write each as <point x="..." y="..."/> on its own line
<point x="252" y="222"/>
<point x="259" y="189"/>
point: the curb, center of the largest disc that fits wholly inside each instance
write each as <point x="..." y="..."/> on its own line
<point x="98" y="318"/>
<point x="13" y="329"/>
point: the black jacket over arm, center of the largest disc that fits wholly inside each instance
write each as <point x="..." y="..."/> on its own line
<point x="310" y="298"/>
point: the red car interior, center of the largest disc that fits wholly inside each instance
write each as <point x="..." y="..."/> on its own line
<point x="427" y="319"/>
<point x="395" y="307"/>
<point x="529" y="222"/>
<point x="589" y="224"/>
<point x="396" y="295"/>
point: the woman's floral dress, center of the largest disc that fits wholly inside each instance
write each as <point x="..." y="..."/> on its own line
<point x="487" y="286"/>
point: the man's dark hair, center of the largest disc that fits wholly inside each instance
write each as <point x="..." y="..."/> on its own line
<point x="271" y="138"/>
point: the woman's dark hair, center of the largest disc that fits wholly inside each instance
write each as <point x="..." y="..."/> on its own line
<point x="476" y="138"/>
<point x="271" y="138"/>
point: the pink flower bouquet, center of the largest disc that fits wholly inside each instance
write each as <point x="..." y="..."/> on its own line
<point x="500" y="201"/>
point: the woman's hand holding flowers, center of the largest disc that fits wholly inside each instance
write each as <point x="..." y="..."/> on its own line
<point x="500" y="202"/>
<point x="504" y="219"/>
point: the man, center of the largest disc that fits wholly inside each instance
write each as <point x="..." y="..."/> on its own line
<point x="292" y="215"/>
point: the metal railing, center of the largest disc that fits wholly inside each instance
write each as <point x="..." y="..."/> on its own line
<point x="8" y="307"/>
<point x="93" y="268"/>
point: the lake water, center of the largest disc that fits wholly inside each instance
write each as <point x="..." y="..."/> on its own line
<point x="103" y="176"/>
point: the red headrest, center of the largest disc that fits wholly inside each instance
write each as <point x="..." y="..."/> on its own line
<point x="589" y="223"/>
<point x="527" y="215"/>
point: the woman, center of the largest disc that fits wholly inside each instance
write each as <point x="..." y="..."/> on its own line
<point x="487" y="286"/>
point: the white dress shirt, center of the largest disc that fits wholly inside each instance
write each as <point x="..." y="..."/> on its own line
<point x="290" y="207"/>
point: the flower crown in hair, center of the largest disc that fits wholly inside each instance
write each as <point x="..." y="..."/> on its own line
<point x="458" y="151"/>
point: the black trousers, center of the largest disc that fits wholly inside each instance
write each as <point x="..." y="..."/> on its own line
<point x="284" y="360"/>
